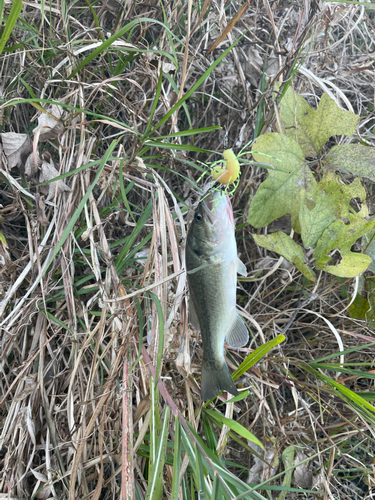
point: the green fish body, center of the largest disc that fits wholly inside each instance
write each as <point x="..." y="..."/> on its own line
<point x="212" y="266"/>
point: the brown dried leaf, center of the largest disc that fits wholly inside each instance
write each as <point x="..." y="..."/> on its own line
<point x="49" y="126"/>
<point x="31" y="168"/>
<point x="48" y="172"/>
<point x="16" y="146"/>
<point x="261" y="470"/>
<point x="303" y="476"/>
<point x="41" y="210"/>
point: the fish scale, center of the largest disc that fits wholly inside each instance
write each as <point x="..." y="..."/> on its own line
<point x="212" y="266"/>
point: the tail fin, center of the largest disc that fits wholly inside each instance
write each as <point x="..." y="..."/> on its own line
<point x="216" y="379"/>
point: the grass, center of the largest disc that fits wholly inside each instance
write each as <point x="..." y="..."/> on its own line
<point x="100" y="370"/>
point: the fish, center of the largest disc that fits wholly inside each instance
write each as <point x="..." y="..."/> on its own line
<point x="212" y="265"/>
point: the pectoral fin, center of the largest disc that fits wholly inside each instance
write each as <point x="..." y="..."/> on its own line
<point x="241" y="268"/>
<point x="238" y="334"/>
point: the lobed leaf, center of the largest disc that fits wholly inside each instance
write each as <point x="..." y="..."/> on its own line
<point x="353" y="158"/>
<point x="280" y="193"/>
<point x="325" y="202"/>
<point x="341" y="236"/>
<point x="311" y="128"/>
<point x="283" y="244"/>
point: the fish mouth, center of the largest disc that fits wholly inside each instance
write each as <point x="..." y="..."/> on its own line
<point x="209" y="205"/>
<point x="212" y="206"/>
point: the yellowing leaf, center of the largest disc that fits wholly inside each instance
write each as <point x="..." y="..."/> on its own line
<point x="353" y="158"/>
<point x="280" y="193"/>
<point x="283" y="244"/>
<point x="311" y="129"/>
<point x="341" y="236"/>
<point x="324" y="203"/>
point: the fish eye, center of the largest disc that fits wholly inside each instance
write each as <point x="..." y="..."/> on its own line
<point x="198" y="217"/>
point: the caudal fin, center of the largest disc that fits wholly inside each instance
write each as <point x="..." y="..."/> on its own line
<point x="216" y="379"/>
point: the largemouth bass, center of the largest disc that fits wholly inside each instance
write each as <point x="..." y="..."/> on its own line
<point x="212" y="266"/>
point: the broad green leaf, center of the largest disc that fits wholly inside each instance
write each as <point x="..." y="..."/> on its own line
<point x="311" y="128"/>
<point x="235" y="426"/>
<point x="368" y="243"/>
<point x="283" y="244"/>
<point x="353" y="158"/>
<point x="359" y="308"/>
<point x="280" y="193"/>
<point x="364" y="307"/>
<point x="319" y="208"/>
<point x="257" y="355"/>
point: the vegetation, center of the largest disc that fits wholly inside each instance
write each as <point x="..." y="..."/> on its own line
<point x="113" y="115"/>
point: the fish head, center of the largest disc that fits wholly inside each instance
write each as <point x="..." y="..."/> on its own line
<point x="213" y="222"/>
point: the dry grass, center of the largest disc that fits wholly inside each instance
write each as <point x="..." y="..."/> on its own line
<point x="89" y="271"/>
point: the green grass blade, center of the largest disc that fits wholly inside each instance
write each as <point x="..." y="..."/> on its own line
<point x="339" y="353"/>
<point x="1" y="11"/>
<point x="353" y="2"/>
<point x="154" y="103"/>
<point x="77" y="213"/>
<point x="176" y="460"/>
<point x="57" y="321"/>
<point x="155" y="483"/>
<point x="11" y="21"/>
<point x="121" y="262"/>
<point x="123" y="191"/>
<point x="173" y="147"/>
<point x="176" y="89"/>
<point x="161" y="332"/>
<point x="228" y="480"/>
<point x="107" y="43"/>
<point x="255" y="356"/>
<point x="235" y="426"/>
<point x="195" y="86"/>
<point x="189" y="132"/>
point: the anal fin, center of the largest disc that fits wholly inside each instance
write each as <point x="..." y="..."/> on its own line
<point x="238" y="334"/>
<point x="241" y="268"/>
